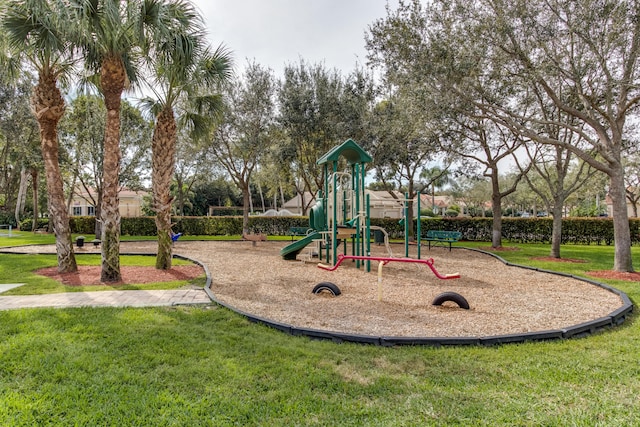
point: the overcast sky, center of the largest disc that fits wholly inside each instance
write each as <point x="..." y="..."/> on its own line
<point x="280" y="32"/>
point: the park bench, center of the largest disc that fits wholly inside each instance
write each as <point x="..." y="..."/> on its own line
<point x="441" y="237"/>
<point x="253" y="238"/>
<point x="298" y="231"/>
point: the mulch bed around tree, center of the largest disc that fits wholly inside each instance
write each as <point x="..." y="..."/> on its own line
<point x="89" y="275"/>
<point x="602" y="274"/>
<point x="552" y="259"/>
<point x="615" y="275"/>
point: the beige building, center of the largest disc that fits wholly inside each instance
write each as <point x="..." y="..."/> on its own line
<point x="295" y="205"/>
<point x="437" y="204"/>
<point x="630" y="212"/>
<point x="383" y="205"/>
<point x="131" y="203"/>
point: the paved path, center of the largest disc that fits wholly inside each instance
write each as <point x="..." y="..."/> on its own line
<point x="107" y="299"/>
<point x="100" y="298"/>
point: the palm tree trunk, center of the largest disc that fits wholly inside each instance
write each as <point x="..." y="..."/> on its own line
<point x="48" y="108"/>
<point x="112" y="79"/>
<point x="163" y="152"/>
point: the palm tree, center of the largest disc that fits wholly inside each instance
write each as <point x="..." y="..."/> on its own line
<point x="186" y="74"/>
<point x="112" y="36"/>
<point x="37" y="33"/>
<point x="435" y="177"/>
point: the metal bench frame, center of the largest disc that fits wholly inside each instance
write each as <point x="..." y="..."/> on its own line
<point x="440" y="237"/>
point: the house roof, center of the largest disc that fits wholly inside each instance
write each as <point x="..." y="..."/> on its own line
<point x="384" y="194"/>
<point x="296" y="203"/>
<point x="442" y="201"/>
<point x="122" y="193"/>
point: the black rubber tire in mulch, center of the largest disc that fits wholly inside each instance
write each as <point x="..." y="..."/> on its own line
<point x="453" y="297"/>
<point x="332" y="288"/>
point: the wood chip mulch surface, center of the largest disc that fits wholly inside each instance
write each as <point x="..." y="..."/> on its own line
<point x="503" y="300"/>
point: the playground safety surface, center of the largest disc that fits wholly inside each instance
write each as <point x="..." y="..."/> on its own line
<point x="507" y="303"/>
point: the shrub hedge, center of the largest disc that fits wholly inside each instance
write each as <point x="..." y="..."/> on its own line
<point x="7" y="218"/>
<point x="518" y="230"/>
<point x="27" y="224"/>
<point x="535" y="230"/>
<point x="195" y="226"/>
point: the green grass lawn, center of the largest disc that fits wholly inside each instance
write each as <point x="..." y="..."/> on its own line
<point x="16" y="268"/>
<point x="26" y="238"/>
<point x="207" y="366"/>
<point x="21" y="269"/>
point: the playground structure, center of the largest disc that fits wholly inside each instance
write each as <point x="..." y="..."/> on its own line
<point x="382" y="261"/>
<point x="341" y="214"/>
<point x="386" y="260"/>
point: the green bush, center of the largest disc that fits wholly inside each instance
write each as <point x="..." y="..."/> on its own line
<point x="427" y="212"/>
<point x="208" y="226"/>
<point x="138" y="226"/>
<point x="27" y="224"/>
<point x="278" y="225"/>
<point x="7" y="218"/>
<point x="518" y="230"/>
<point x="392" y="226"/>
<point x="83" y="224"/>
<point x="232" y="225"/>
<point x="534" y="230"/>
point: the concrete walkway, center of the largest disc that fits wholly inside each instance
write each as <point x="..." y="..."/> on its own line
<point x="152" y="298"/>
<point x="107" y="299"/>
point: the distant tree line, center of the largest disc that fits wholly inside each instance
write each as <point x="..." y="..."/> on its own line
<point x="509" y="107"/>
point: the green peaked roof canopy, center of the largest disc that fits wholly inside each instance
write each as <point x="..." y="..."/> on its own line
<point x="350" y="150"/>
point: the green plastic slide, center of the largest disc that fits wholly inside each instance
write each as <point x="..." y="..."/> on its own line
<point x="290" y="251"/>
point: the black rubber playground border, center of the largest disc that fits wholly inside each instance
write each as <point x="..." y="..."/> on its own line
<point x="615" y="318"/>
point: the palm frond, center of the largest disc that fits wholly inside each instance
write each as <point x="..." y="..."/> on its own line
<point x="151" y="106"/>
<point x="197" y="125"/>
<point x="217" y="66"/>
<point x="208" y="104"/>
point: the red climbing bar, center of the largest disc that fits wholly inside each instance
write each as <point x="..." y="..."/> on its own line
<point x="385" y="260"/>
